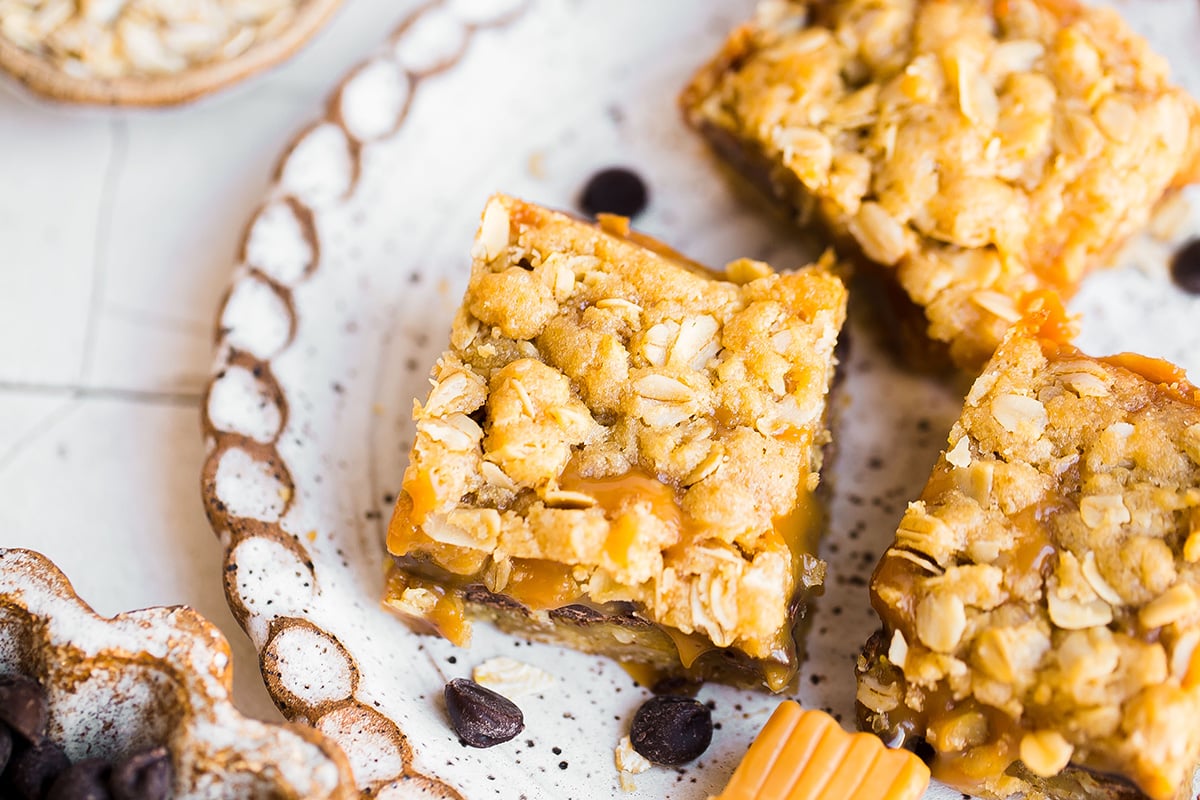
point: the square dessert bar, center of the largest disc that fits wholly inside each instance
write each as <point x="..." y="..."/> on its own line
<point x="620" y="451"/>
<point x="972" y="152"/>
<point x="1041" y="601"/>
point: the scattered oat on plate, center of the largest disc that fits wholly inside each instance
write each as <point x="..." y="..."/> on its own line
<point x="149" y="52"/>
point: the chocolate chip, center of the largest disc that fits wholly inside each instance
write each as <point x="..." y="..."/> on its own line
<point x="481" y="717"/>
<point x="1185" y="267"/>
<point x="577" y="614"/>
<point x="85" y="780"/>
<point x="32" y="769"/>
<point x="920" y="748"/>
<point x="671" y="730"/>
<point x="6" y="746"/>
<point x="677" y="685"/>
<point x="615" y="191"/>
<point x="147" y="775"/>
<point x="23" y="707"/>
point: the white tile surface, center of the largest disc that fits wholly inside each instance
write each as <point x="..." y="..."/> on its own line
<point x="118" y="231"/>
<point x="48" y="226"/>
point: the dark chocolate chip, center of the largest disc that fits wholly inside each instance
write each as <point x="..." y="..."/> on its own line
<point x="1185" y="267"/>
<point x="6" y="746"/>
<point x="146" y="775"/>
<point x="479" y="595"/>
<point x="671" y="730"/>
<point x="920" y="748"/>
<point x="84" y="780"/>
<point x="615" y="191"/>
<point x="481" y="717"/>
<point x="577" y="614"/>
<point x="23" y="707"/>
<point x="677" y="685"/>
<point x="32" y="769"/>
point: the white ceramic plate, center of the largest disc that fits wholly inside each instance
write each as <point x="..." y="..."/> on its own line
<point x="342" y="300"/>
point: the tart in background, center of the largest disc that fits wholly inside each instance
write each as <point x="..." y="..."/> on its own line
<point x="146" y="52"/>
<point x="157" y="677"/>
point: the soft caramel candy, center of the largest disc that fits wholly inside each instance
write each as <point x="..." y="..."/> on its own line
<point x="805" y="755"/>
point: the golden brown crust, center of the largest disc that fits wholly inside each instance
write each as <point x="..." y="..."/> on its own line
<point x="630" y="426"/>
<point x="977" y="151"/>
<point x="1041" y="602"/>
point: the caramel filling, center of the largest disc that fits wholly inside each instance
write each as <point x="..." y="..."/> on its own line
<point x="1155" y="370"/>
<point x="538" y="585"/>
<point x="801" y="529"/>
<point x="1169" y="378"/>
<point x="615" y="494"/>
<point x="446" y="615"/>
<point x="542" y="585"/>
<point x="972" y="741"/>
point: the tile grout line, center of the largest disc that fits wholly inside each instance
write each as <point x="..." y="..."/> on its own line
<point x="37" y="431"/>
<point x="116" y="162"/>
<point x="159" y="321"/>
<point x="81" y="392"/>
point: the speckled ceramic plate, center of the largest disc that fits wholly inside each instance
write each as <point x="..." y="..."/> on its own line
<point x="342" y="299"/>
<point x="150" y="677"/>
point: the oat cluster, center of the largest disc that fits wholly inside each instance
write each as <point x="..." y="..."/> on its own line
<point x="1042" y="598"/>
<point x="610" y="406"/>
<point x="977" y="151"/>
<point x="141" y="38"/>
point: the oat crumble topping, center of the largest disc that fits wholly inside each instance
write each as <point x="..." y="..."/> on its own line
<point x="643" y="426"/>
<point x="1041" y="601"/>
<point x="975" y="151"/>
<point x="138" y="38"/>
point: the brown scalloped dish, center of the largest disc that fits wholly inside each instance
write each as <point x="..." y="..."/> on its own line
<point x="156" y="678"/>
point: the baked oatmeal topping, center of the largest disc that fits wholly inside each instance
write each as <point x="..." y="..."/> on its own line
<point x="982" y="150"/>
<point x="120" y="38"/>
<point x="1044" y="583"/>
<point x="622" y="425"/>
